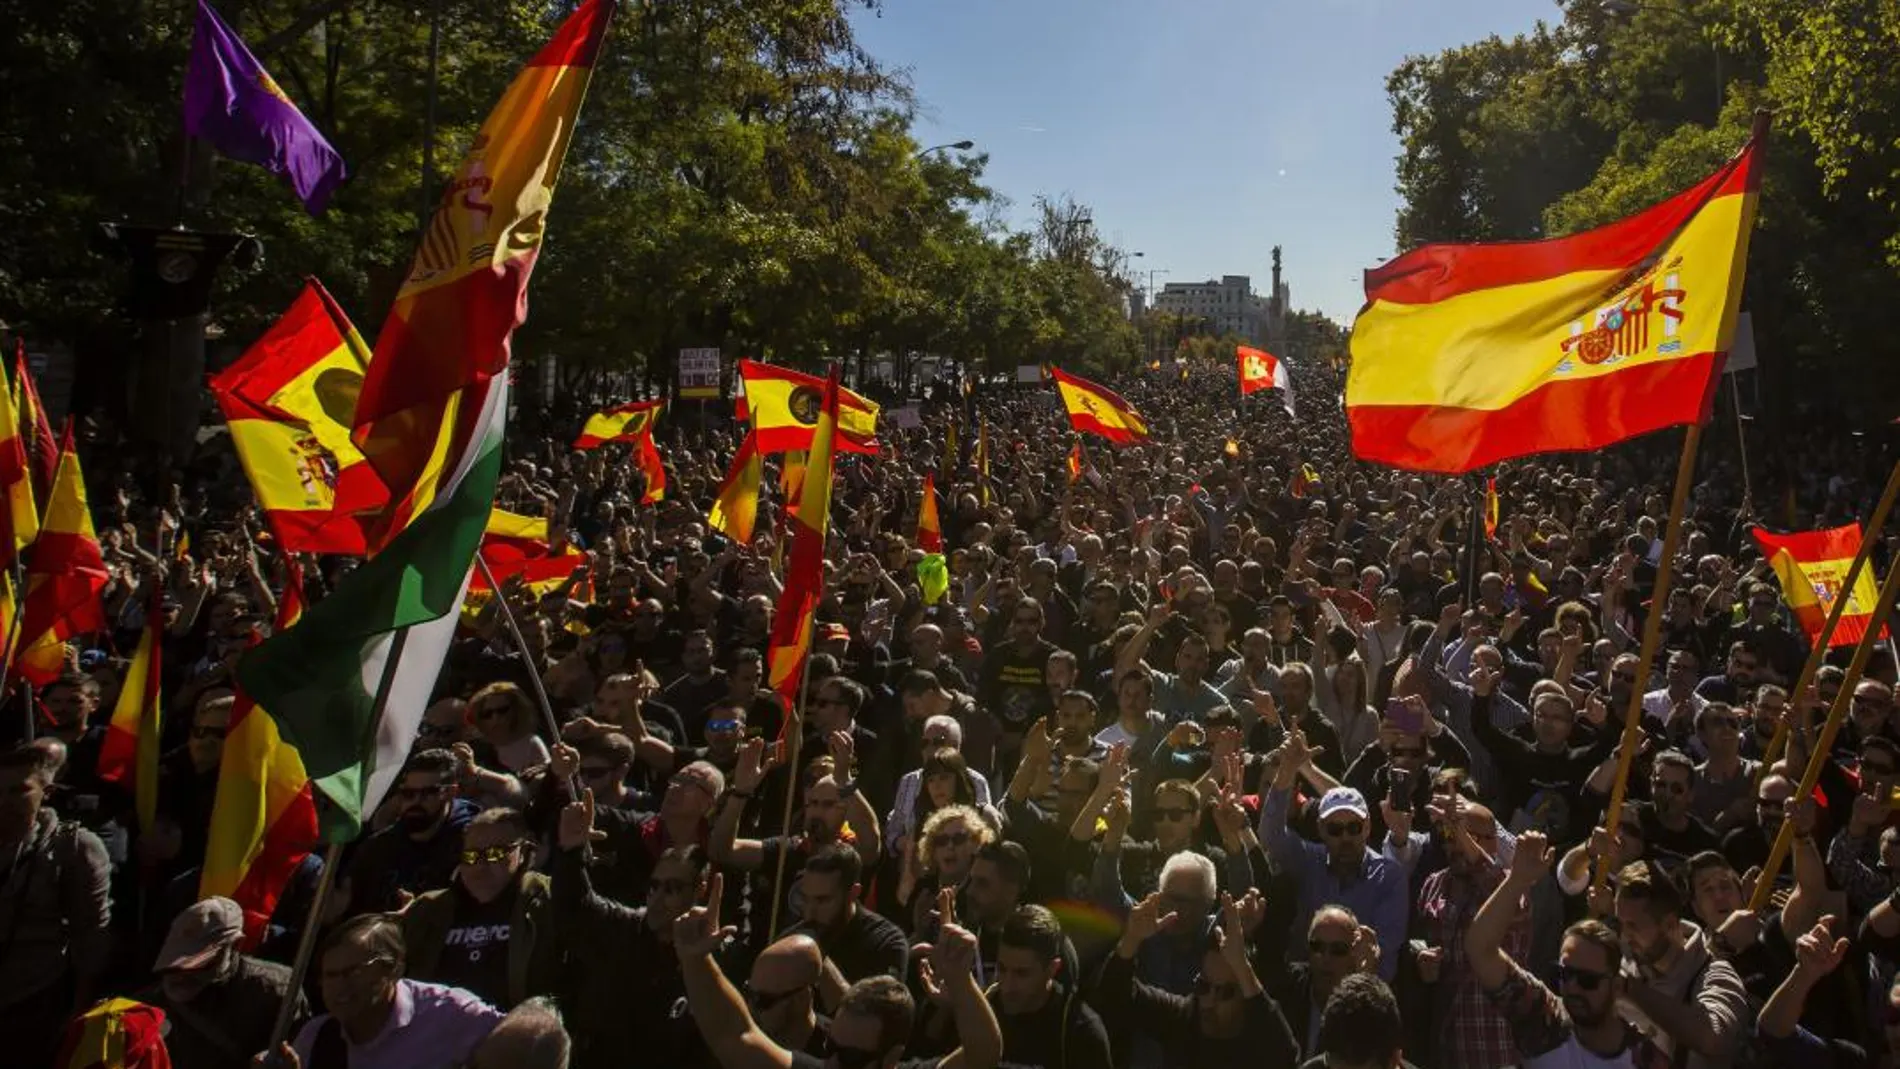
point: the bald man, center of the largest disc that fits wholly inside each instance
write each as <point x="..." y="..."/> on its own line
<point x="783" y="991"/>
<point x="532" y="1036"/>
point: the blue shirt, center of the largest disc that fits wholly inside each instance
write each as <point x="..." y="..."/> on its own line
<point x="1376" y="894"/>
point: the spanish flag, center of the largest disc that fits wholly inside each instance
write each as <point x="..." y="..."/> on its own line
<point x="789" y="646"/>
<point x="1304" y="480"/>
<point x="263" y="817"/>
<point x="983" y="462"/>
<point x="65" y="574"/>
<point x="1261" y="370"/>
<point x="449" y="332"/>
<point x="631" y="423"/>
<point x="20" y="518"/>
<point x="783" y="407"/>
<point x="1232" y="448"/>
<point x="513" y="546"/>
<point x="289" y="402"/>
<point x="929" y="527"/>
<point x="735" y="512"/>
<point x="1811" y="566"/>
<point x="1491" y="508"/>
<point x="128" y="755"/>
<point x="42" y="449"/>
<point x="1465" y="355"/>
<point x="1098" y="410"/>
<point x="1075" y="462"/>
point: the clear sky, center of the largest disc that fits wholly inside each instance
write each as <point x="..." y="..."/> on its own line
<point x="1200" y="132"/>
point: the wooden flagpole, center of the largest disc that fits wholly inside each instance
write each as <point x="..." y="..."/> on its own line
<point x="1652" y="638"/>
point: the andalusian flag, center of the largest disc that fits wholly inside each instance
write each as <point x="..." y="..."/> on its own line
<point x="1261" y="370"/>
<point x="42" y="449"/>
<point x="631" y="423"/>
<point x="790" y="644"/>
<point x="289" y="402"/>
<point x="263" y="817"/>
<point x="1098" y="410"/>
<point x="1811" y="566"/>
<point x="929" y="527"/>
<point x="65" y="574"/>
<point x="736" y="510"/>
<point x="128" y="755"/>
<point x="782" y="406"/>
<point x="1466" y="355"/>
<point x="424" y="402"/>
<point x="431" y="418"/>
<point x="1491" y="508"/>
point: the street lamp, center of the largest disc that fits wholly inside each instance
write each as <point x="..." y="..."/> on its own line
<point x="1628" y="9"/>
<point x="960" y="146"/>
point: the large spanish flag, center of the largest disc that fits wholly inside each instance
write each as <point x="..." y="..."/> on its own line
<point x="631" y="423"/>
<point x="128" y="755"/>
<point x="783" y="407"/>
<point x="449" y="331"/>
<point x="789" y="646"/>
<point x="289" y="402"/>
<point x="263" y="817"/>
<point x="735" y="512"/>
<point x="1465" y="355"/>
<point x="929" y="527"/>
<point x="65" y="574"/>
<point x="1098" y="410"/>
<point x="1810" y="566"/>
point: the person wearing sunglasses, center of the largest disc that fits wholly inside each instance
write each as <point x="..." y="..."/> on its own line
<point x="492" y="932"/>
<point x="420" y="850"/>
<point x="782" y="993"/>
<point x="1576" y="1022"/>
<point x="1680" y="994"/>
<point x="874" y="1020"/>
<point x="1670" y="827"/>
<point x="1725" y="780"/>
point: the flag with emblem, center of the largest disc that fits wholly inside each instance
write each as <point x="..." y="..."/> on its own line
<point x="289" y="403"/>
<point x="1465" y="355"/>
<point x="128" y="755"/>
<point x="735" y="512"/>
<point x="1810" y="566"/>
<point x="782" y="406"/>
<point x="65" y="574"/>
<point x="1261" y="370"/>
<point x="789" y="645"/>
<point x="1099" y="410"/>
<point x="631" y="423"/>
<point x="233" y="103"/>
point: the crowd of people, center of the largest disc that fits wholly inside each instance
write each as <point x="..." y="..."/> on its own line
<point x="1200" y="761"/>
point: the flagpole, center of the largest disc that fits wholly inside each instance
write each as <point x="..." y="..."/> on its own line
<point x="795" y="730"/>
<point x="1836" y="714"/>
<point x="521" y="644"/>
<point x="13" y="647"/>
<point x="1876" y="522"/>
<point x="1652" y="638"/>
<point x="333" y="856"/>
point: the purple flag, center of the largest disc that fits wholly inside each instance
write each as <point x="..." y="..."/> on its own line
<point x="231" y="101"/>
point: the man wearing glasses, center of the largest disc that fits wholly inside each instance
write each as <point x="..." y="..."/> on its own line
<point x="420" y="851"/>
<point x="1671" y="829"/>
<point x="491" y="933"/>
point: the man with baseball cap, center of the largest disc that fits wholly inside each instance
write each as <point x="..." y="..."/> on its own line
<point x="220" y="1002"/>
<point x="1339" y="869"/>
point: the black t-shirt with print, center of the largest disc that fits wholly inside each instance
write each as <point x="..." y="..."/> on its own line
<point x="475" y="950"/>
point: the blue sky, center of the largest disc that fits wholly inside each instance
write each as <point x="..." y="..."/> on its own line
<point x="1200" y="132"/>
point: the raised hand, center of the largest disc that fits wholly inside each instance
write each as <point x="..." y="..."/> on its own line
<point x="753" y="764"/>
<point x="1146" y="919"/>
<point x="843" y="750"/>
<point x="1036" y="741"/>
<point x="1483" y="680"/>
<point x="1533" y="859"/>
<point x="1234" y="928"/>
<point x="576" y="826"/>
<point x="1817" y="952"/>
<point x="1398" y="819"/>
<point x="563" y="761"/>
<point x="697" y="933"/>
<point x="1429" y="961"/>
<point x="1264" y="705"/>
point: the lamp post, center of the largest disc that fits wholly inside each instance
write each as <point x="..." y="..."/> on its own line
<point x="1628" y="9"/>
<point x="961" y="146"/>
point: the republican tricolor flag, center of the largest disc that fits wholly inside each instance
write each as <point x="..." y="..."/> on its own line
<point x="1811" y="566"/>
<point x="1465" y="355"/>
<point x="1097" y="409"/>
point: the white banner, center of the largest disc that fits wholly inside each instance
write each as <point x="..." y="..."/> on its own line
<point x="699" y="373"/>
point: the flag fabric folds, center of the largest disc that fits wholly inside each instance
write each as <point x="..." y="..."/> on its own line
<point x="1811" y="566"/>
<point x="232" y="102"/>
<point x="20" y="515"/>
<point x="789" y="645"/>
<point x="1261" y="370"/>
<point x="263" y="817"/>
<point x="735" y="512"/>
<point x="631" y="423"/>
<point x="289" y="402"/>
<point x="929" y="525"/>
<point x="128" y="755"/>
<point x="1303" y="481"/>
<point x="42" y="449"/>
<point x="783" y="407"/>
<point x="1098" y="410"/>
<point x="1465" y="355"/>
<point x="65" y="574"/>
<point x="447" y="335"/>
<point x="1075" y="462"/>
<point x="1491" y="508"/>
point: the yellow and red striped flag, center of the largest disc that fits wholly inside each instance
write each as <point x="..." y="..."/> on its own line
<point x="263" y="817"/>
<point x="1232" y="448"/>
<point x="1099" y="410"/>
<point x="1465" y="355"/>
<point x="289" y="402"/>
<point x="983" y="462"/>
<point x="790" y="643"/>
<point x="1304" y="480"/>
<point x="128" y="755"/>
<point x="1075" y="462"/>
<point x="516" y="545"/>
<point x="449" y="332"/>
<point x="20" y="518"/>
<point x="929" y="526"/>
<point x="735" y="512"/>
<point x="631" y="423"/>
<point x="1491" y="508"/>
<point x="1810" y="566"/>
<point x="65" y="574"/>
<point x="951" y="449"/>
<point x="42" y="449"/>
<point x="782" y="406"/>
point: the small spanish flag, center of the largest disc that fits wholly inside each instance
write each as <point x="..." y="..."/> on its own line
<point x="736" y="511"/>
<point x="1232" y="449"/>
<point x="1304" y="480"/>
<point x="1811" y="566"/>
<point x="1096" y="409"/>
<point x="929" y="527"/>
<point x="1491" y="509"/>
<point x="128" y="755"/>
<point x="1075" y="462"/>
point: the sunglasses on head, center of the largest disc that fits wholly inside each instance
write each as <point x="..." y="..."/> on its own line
<point x="492" y="855"/>
<point x="1581" y="979"/>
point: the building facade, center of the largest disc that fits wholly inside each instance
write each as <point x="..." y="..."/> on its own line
<point x="1230" y="305"/>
